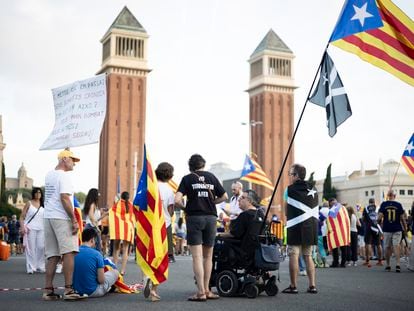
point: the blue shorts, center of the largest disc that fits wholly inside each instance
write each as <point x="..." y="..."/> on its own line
<point x="201" y="230"/>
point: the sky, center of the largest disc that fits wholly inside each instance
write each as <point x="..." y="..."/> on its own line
<point x="196" y="96"/>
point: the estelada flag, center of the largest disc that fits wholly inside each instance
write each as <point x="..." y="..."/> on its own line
<point x="78" y="216"/>
<point x="120" y="285"/>
<point x="121" y="222"/>
<point x="151" y="234"/>
<point x="339" y="227"/>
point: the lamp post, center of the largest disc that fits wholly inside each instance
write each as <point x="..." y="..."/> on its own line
<point x="252" y="123"/>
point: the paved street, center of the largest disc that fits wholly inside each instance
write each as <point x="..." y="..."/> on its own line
<point x="352" y="288"/>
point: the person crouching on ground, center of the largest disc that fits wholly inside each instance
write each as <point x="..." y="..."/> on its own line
<point x="89" y="276"/>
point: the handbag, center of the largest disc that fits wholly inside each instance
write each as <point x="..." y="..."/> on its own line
<point x="267" y="256"/>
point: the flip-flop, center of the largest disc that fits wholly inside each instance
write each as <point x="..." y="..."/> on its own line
<point x="290" y="290"/>
<point x="312" y="290"/>
<point x="197" y="298"/>
<point x="147" y="290"/>
<point x="212" y="296"/>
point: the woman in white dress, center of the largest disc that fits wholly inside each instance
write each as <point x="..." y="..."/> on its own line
<point x="31" y="226"/>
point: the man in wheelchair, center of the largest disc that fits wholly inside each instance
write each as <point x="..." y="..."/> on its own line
<point x="235" y="270"/>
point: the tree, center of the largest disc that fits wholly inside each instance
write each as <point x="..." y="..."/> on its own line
<point x="81" y="196"/>
<point x="311" y="181"/>
<point x="328" y="190"/>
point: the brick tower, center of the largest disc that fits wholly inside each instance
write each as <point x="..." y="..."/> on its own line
<point x="124" y="59"/>
<point x="270" y="91"/>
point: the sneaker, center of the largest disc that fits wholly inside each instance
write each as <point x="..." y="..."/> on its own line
<point x="387" y="268"/>
<point x="355" y="264"/>
<point x="73" y="295"/>
<point x="59" y="268"/>
<point x="398" y="269"/>
<point x="303" y="273"/>
<point x="51" y="296"/>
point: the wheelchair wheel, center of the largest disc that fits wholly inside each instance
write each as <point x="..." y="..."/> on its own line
<point x="271" y="288"/>
<point x="227" y="283"/>
<point x="251" y="290"/>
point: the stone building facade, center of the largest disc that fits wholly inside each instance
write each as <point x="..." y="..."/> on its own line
<point x="361" y="185"/>
<point x="21" y="182"/>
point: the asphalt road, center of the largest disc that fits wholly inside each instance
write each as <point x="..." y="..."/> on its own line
<point x="352" y="288"/>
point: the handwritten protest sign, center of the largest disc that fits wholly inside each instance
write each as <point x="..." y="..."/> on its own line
<point x="80" y="110"/>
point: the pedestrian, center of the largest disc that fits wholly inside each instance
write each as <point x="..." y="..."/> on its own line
<point x="391" y="216"/>
<point x="92" y="215"/>
<point x="13" y="228"/>
<point x="203" y="191"/>
<point x="302" y="212"/>
<point x="89" y="277"/>
<point x="373" y="233"/>
<point x="121" y="216"/>
<point x="411" y="259"/>
<point x="181" y="236"/>
<point x="32" y="230"/>
<point x="339" y="233"/>
<point x="164" y="173"/>
<point x="352" y="249"/>
<point x="61" y="227"/>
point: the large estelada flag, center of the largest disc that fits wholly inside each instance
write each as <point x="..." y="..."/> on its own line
<point x="253" y="172"/>
<point x="407" y="158"/>
<point x="121" y="222"/>
<point x="339" y="227"/>
<point x="151" y="234"/>
<point x="379" y="33"/>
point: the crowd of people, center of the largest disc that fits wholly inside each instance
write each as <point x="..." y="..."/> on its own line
<point x="49" y="229"/>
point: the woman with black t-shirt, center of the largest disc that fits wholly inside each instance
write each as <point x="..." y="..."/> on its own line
<point x="203" y="191"/>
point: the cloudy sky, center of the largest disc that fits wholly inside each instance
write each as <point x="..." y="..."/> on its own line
<point x="196" y="100"/>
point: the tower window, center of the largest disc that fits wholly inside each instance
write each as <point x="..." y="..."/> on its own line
<point x="129" y="47"/>
<point x="279" y="67"/>
<point x="256" y="69"/>
<point x="106" y="49"/>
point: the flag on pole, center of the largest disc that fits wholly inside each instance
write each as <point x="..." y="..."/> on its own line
<point x="151" y="234"/>
<point x="330" y="93"/>
<point x="407" y="158"/>
<point x="379" y="33"/>
<point x="252" y="172"/>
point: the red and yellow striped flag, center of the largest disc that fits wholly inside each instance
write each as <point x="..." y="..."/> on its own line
<point x="151" y="234"/>
<point x="173" y="185"/>
<point x="78" y="215"/>
<point x="121" y="223"/>
<point x="379" y="33"/>
<point x="339" y="229"/>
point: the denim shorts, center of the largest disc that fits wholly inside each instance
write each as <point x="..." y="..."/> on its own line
<point x="201" y="230"/>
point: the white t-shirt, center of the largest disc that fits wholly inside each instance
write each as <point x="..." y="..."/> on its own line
<point x="354" y="223"/>
<point x="234" y="207"/>
<point x="57" y="182"/>
<point x="167" y="197"/>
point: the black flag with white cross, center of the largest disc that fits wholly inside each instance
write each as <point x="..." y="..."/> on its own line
<point x="330" y="93"/>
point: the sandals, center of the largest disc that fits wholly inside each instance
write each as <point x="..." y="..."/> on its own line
<point x="290" y="290"/>
<point x="147" y="290"/>
<point x="51" y="295"/>
<point x="198" y="298"/>
<point x="212" y="296"/>
<point x="397" y="269"/>
<point x="387" y="268"/>
<point x="312" y="290"/>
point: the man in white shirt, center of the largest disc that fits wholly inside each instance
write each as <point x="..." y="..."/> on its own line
<point x="237" y="190"/>
<point x="61" y="227"/>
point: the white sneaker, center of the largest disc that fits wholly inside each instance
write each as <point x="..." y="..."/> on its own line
<point x="355" y="264"/>
<point x="59" y="268"/>
<point x="303" y="273"/>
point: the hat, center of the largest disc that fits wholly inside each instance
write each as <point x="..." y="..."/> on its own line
<point x="68" y="154"/>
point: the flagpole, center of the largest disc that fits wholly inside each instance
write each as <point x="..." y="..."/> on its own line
<point x="293" y="137"/>
<point x="395" y="175"/>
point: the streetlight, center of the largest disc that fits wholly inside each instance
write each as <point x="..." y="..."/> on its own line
<point x="252" y="123"/>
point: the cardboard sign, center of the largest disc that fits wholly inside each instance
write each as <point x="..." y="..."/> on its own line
<point x="80" y="110"/>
